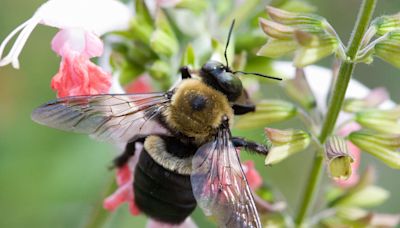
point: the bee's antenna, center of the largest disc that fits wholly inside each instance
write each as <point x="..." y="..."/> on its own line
<point x="258" y="74"/>
<point x="227" y="43"/>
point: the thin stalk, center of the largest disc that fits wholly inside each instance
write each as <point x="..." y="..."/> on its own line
<point x="99" y="216"/>
<point x="335" y="105"/>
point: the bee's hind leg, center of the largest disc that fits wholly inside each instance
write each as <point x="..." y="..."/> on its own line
<point x="129" y="152"/>
<point x="250" y="145"/>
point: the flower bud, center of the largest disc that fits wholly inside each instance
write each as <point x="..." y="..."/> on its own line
<point x="385" y="121"/>
<point x="285" y="143"/>
<point x="277" y="48"/>
<point x="382" y="146"/>
<point x="289" y="18"/>
<point x="389" y="49"/>
<point x="188" y="58"/>
<point x="276" y="30"/>
<point x="163" y="43"/>
<point x="376" y="97"/>
<point x="339" y="158"/>
<point x="369" y="196"/>
<point x="267" y="112"/>
<point x="313" y="47"/>
<point x="385" y="24"/>
<point x="142" y="23"/>
<point x="299" y="86"/>
<point x="160" y="70"/>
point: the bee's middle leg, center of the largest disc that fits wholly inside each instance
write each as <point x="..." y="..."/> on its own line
<point x="250" y="145"/>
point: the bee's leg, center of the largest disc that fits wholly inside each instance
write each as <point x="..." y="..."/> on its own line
<point x="185" y="72"/>
<point x="241" y="109"/>
<point x="249" y="145"/>
<point x="129" y="152"/>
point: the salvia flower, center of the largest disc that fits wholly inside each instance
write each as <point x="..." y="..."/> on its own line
<point x="376" y="97"/>
<point x="76" y="42"/>
<point x="386" y="23"/>
<point x="285" y="143"/>
<point x="299" y="85"/>
<point x="268" y="111"/>
<point x="382" y="146"/>
<point x="311" y="36"/>
<point x="338" y="158"/>
<point x="94" y="16"/>
<point x="385" y="121"/>
<point x="388" y="48"/>
<point x="354" y="152"/>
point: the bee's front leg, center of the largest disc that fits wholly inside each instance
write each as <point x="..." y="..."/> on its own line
<point x="250" y="145"/>
<point x="129" y="152"/>
<point x="185" y="73"/>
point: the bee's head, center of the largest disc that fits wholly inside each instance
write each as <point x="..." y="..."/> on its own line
<point x="221" y="78"/>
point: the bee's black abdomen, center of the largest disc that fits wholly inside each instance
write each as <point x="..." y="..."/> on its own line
<point x="162" y="194"/>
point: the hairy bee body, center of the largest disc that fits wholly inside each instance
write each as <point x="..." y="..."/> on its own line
<point x="162" y="187"/>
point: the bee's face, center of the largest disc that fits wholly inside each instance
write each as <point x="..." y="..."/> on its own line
<point x="222" y="79"/>
<point x="197" y="110"/>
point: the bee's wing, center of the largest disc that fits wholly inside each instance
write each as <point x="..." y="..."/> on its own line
<point x="220" y="186"/>
<point x="112" y="118"/>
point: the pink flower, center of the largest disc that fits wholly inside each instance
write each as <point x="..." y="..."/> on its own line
<point x="94" y="16"/>
<point x="77" y="75"/>
<point x="81" y="22"/>
<point x="140" y="85"/>
<point x="124" y="193"/>
<point x="253" y="177"/>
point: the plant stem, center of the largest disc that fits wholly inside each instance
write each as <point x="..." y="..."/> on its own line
<point x="98" y="216"/>
<point x="335" y="105"/>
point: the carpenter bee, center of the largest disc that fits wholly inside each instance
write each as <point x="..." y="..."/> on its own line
<point x="189" y="156"/>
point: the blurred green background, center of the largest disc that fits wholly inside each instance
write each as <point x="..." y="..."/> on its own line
<point x="49" y="178"/>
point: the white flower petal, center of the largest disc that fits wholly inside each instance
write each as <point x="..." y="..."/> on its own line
<point x="319" y="79"/>
<point x="26" y="29"/>
<point x="99" y="16"/>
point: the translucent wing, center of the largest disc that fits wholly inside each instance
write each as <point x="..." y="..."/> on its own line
<point x="113" y="118"/>
<point x="220" y="186"/>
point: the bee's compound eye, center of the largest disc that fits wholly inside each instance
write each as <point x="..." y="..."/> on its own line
<point x="198" y="102"/>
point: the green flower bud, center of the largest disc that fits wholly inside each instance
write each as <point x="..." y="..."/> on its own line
<point x="160" y="70"/>
<point x="277" y="48"/>
<point x="313" y="47"/>
<point x="163" y="43"/>
<point x="388" y="49"/>
<point x="276" y="30"/>
<point x="385" y="24"/>
<point x="163" y="24"/>
<point x="141" y="31"/>
<point x="299" y="85"/>
<point x="289" y="18"/>
<point x="339" y="158"/>
<point x="382" y="146"/>
<point x="369" y="196"/>
<point x="188" y="58"/>
<point x="142" y="23"/>
<point x="285" y="143"/>
<point x="267" y="112"/>
<point x="385" y="121"/>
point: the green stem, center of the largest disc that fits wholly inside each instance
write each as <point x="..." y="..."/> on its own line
<point x="99" y="216"/>
<point x="335" y="105"/>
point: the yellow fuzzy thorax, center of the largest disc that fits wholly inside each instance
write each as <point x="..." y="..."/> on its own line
<point x="202" y="124"/>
